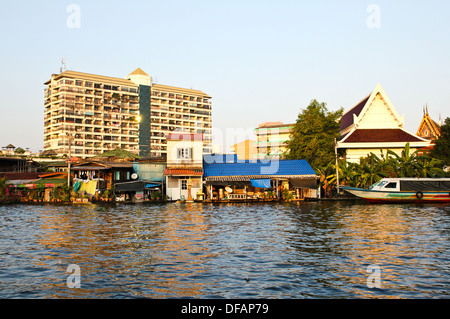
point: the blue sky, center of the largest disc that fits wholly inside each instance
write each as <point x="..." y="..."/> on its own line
<point x="259" y="60"/>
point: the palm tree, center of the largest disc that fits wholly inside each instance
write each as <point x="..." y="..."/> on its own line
<point x="404" y="164"/>
<point x="369" y="170"/>
<point x="429" y="167"/>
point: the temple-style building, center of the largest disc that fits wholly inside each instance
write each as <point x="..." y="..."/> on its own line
<point x="429" y="129"/>
<point x="374" y="126"/>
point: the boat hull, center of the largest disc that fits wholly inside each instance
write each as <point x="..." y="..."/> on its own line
<point x="374" y="196"/>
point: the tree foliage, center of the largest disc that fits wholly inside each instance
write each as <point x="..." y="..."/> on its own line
<point x="442" y="148"/>
<point x="19" y="151"/>
<point x="312" y="137"/>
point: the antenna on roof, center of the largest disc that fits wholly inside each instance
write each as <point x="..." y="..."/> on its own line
<point x="63" y="65"/>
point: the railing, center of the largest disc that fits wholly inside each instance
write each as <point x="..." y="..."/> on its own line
<point x="237" y="196"/>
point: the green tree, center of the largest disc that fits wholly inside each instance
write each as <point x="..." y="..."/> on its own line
<point x="442" y="148"/>
<point x="312" y="137"/>
<point x="19" y="151"/>
<point x="404" y="164"/>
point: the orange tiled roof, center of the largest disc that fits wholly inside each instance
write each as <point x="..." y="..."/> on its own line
<point x="183" y="172"/>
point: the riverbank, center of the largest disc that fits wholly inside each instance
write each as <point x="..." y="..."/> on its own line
<point x="81" y="201"/>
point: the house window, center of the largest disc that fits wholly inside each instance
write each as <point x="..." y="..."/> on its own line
<point x="184" y="153"/>
<point x="184" y="185"/>
<point x="117" y="177"/>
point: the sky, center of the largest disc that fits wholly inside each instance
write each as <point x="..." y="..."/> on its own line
<point x="260" y="60"/>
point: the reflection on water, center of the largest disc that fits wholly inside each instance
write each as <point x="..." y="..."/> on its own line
<point x="307" y="250"/>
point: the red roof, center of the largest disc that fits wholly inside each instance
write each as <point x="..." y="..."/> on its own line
<point x="380" y="136"/>
<point x="347" y="118"/>
<point x="183" y="172"/>
<point x="185" y="136"/>
<point x="19" y="176"/>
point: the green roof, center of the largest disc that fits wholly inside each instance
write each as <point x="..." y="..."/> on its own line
<point x="118" y="153"/>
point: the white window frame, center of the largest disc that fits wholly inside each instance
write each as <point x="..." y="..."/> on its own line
<point x="184" y="153"/>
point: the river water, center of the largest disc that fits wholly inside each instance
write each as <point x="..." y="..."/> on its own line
<point x="326" y="249"/>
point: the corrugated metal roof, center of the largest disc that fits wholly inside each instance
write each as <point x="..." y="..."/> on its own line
<point x="272" y="168"/>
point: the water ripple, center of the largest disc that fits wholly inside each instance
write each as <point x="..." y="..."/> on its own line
<point x="307" y="250"/>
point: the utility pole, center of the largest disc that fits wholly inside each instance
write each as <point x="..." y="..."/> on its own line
<point x="69" y="158"/>
<point x="337" y="166"/>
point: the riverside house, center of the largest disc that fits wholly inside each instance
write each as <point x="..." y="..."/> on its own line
<point x="184" y="170"/>
<point x="260" y="180"/>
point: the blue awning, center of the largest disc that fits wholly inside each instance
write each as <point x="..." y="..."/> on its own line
<point x="152" y="185"/>
<point x="135" y="186"/>
<point x="262" y="183"/>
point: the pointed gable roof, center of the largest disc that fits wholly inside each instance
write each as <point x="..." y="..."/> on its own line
<point x="138" y="71"/>
<point x="374" y="121"/>
<point x="428" y="128"/>
<point x="364" y="113"/>
<point x="348" y="117"/>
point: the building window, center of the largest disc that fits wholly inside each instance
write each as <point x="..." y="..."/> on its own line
<point x="184" y="184"/>
<point x="117" y="177"/>
<point x="185" y="153"/>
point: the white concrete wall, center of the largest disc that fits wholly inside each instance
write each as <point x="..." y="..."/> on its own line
<point x="353" y="155"/>
<point x="172" y="154"/>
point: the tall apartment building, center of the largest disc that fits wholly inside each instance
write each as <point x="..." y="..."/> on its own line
<point x="271" y="138"/>
<point x="87" y="114"/>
